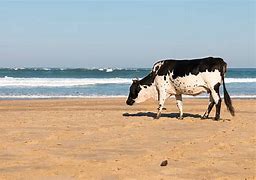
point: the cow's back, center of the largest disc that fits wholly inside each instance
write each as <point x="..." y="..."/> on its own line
<point x="181" y="68"/>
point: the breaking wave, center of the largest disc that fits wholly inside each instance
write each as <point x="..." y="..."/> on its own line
<point x="59" y="82"/>
<point x="240" y="80"/>
<point x="73" y="82"/>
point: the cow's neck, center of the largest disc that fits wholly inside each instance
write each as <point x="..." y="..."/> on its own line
<point x="148" y="80"/>
<point x="147" y="92"/>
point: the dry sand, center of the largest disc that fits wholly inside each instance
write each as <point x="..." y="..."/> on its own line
<point x="105" y="139"/>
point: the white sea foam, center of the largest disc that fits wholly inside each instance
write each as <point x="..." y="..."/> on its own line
<point x="57" y="96"/>
<point x="106" y="69"/>
<point x="73" y="82"/>
<point x="16" y="69"/>
<point x="109" y="70"/>
<point x="59" y="82"/>
<point x="240" y="80"/>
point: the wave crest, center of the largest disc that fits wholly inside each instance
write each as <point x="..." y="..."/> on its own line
<point x="73" y="82"/>
<point x="240" y="80"/>
<point x="59" y="82"/>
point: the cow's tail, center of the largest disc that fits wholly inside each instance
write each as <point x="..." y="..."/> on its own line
<point x="227" y="98"/>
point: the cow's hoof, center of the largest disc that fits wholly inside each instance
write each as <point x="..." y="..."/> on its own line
<point x="216" y="118"/>
<point x="180" y="118"/>
<point x="157" y="116"/>
<point x="204" y="117"/>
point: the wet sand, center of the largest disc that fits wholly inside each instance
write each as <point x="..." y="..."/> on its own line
<point x="105" y="139"/>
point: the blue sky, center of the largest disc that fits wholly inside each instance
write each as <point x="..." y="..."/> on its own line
<point x="125" y="33"/>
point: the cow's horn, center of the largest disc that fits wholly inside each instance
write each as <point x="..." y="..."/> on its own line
<point x="135" y="80"/>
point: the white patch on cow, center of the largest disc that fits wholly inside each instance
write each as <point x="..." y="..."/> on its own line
<point x="147" y="93"/>
<point x="189" y="85"/>
<point x="212" y="78"/>
<point x="164" y="85"/>
<point x="157" y="66"/>
<point x="196" y="84"/>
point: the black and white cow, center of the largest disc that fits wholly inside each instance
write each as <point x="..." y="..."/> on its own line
<point x="177" y="77"/>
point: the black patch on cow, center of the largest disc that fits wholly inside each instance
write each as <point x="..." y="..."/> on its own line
<point x="134" y="90"/>
<point x="216" y="88"/>
<point x="148" y="80"/>
<point x="165" y="78"/>
<point x="157" y="68"/>
<point x="181" y="68"/>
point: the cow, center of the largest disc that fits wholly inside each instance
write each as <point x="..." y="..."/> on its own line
<point x="189" y="77"/>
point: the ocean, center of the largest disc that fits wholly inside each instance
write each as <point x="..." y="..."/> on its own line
<point x="26" y="83"/>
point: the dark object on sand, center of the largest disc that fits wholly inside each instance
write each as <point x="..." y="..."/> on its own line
<point x="164" y="163"/>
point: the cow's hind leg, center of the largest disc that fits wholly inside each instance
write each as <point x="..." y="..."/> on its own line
<point x="218" y="104"/>
<point x="217" y="100"/>
<point x="210" y="106"/>
<point x="179" y="105"/>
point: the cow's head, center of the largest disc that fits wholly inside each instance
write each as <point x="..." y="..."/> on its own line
<point x="140" y="92"/>
<point x="134" y="92"/>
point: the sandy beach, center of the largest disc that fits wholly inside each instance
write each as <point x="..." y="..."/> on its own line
<point x="105" y="139"/>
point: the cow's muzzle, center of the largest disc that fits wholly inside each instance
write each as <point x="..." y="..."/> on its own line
<point x="130" y="102"/>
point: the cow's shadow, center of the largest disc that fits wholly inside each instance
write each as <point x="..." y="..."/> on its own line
<point x="168" y="115"/>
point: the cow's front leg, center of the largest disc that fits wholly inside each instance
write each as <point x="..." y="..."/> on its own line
<point x="162" y="98"/>
<point x="159" y="112"/>
<point x="179" y="105"/>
